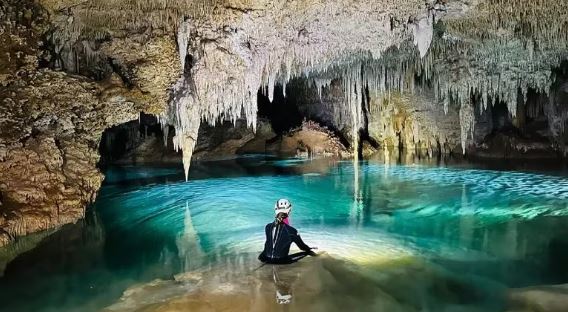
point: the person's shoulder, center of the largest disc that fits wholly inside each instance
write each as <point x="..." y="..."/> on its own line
<point x="291" y="229"/>
<point x="269" y="225"/>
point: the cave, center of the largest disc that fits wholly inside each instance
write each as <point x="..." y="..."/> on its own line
<point x="164" y="155"/>
<point x="284" y="124"/>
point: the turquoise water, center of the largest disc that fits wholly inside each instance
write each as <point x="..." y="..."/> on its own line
<point x="475" y="232"/>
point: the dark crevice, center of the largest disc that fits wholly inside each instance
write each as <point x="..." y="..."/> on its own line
<point x="282" y="113"/>
<point x="188" y="64"/>
<point x="121" y="72"/>
<point x="364" y="132"/>
<point x="120" y="140"/>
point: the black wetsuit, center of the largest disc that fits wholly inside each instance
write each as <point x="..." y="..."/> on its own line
<point x="279" y="237"/>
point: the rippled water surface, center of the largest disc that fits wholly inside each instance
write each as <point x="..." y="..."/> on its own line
<point x="403" y="238"/>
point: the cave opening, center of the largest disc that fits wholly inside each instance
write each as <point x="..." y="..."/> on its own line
<point x="136" y="142"/>
<point x="533" y="132"/>
<point x="282" y="112"/>
<point x="143" y="141"/>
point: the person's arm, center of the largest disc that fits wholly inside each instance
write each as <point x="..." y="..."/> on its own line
<point x="262" y="256"/>
<point x="300" y="243"/>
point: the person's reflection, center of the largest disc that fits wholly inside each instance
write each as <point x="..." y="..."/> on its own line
<point x="283" y="289"/>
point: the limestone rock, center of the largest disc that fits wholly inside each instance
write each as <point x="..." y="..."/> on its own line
<point x="49" y="170"/>
<point x="549" y="298"/>
<point x="309" y="141"/>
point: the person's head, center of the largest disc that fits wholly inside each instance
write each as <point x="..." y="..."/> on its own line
<point x="281" y="216"/>
<point x="282" y="209"/>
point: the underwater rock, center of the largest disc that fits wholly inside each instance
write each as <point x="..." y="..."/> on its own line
<point x="549" y="298"/>
<point x="21" y="245"/>
<point x="322" y="283"/>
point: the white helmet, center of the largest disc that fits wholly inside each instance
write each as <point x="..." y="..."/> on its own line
<point x="282" y="206"/>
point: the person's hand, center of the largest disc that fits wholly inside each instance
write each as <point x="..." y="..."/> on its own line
<point x="312" y="252"/>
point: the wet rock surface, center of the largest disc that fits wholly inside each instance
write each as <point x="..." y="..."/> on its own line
<point x="308" y="141"/>
<point x="322" y="283"/>
<point x="547" y="298"/>
<point x="49" y="158"/>
<point x="52" y="121"/>
<point x="135" y="143"/>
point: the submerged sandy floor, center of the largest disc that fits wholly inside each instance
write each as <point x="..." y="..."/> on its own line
<point x="322" y="283"/>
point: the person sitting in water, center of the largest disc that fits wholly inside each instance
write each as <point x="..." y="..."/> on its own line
<point x="280" y="235"/>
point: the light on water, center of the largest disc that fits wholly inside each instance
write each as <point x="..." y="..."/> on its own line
<point x="399" y="238"/>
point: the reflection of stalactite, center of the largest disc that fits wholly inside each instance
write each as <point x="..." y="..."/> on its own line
<point x="466" y="211"/>
<point x="353" y="89"/>
<point x="366" y="198"/>
<point x="189" y="250"/>
<point x="511" y="240"/>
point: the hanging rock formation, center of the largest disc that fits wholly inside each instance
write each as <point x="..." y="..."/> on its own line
<point x="71" y="68"/>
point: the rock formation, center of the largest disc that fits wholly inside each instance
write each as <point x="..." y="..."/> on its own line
<point x="52" y="121"/>
<point x="420" y="74"/>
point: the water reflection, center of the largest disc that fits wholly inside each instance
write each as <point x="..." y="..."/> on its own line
<point x="408" y="238"/>
<point x="317" y="284"/>
<point x="188" y="245"/>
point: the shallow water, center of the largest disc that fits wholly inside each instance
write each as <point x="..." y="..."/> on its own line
<point x="408" y="238"/>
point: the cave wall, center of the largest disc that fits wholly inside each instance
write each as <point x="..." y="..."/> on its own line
<point x="414" y="122"/>
<point x="48" y="159"/>
<point x="228" y="49"/>
<point x="394" y="121"/>
<point x="52" y="120"/>
<point x="536" y="131"/>
<point x="419" y="123"/>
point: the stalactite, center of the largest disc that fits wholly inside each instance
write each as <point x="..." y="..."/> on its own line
<point x="183" y="41"/>
<point x="467" y="122"/>
<point x="184" y="114"/>
<point x="423" y="30"/>
<point x="229" y="72"/>
<point x="555" y="112"/>
<point x="320" y="84"/>
<point x="166" y="133"/>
